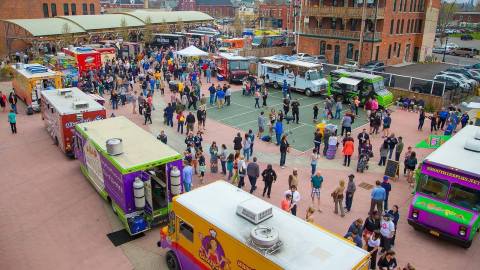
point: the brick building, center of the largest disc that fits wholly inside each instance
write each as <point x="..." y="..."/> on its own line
<point x="277" y="14"/>
<point x="467" y="17"/>
<point x="395" y="31"/>
<point x="214" y="8"/>
<point x="27" y="9"/>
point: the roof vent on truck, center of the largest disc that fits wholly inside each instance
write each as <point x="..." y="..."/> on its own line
<point x="80" y="105"/>
<point x="254" y="210"/>
<point x="66" y="92"/>
<point x="474" y="143"/>
<point x="114" y="146"/>
<point x="265" y="239"/>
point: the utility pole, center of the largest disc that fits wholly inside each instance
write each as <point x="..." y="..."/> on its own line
<point x="362" y="30"/>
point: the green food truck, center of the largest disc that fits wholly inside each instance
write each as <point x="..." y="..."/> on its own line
<point x="346" y="85"/>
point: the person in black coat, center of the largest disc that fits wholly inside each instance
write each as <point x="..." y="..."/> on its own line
<point x="395" y="217"/>
<point x="269" y="176"/>
<point x="237" y="143"/>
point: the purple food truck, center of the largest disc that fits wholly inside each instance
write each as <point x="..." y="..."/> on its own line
<point x="447" y="194"/>
<point x="136" y="173"/>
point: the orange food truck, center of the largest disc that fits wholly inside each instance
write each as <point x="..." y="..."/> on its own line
<point x="233" y="68"/>
<point x="29" y="80"/>
<point x="86" y="58"/>
<point x="62" y="109"/>
<point x="221" y="227"/>
<point x="232" y="44"/>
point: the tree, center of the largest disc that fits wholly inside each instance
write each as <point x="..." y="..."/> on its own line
<point x="445" y="16"/>
<point x="67" y="36"/>
<point x="180" y="25"/>
<point x="124" y="29"/>
<point x="237" y="25"/>
<point x="148" y="33"/>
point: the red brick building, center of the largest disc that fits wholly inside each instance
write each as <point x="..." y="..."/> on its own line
<point x="467" y="17"/>
<point x="277" y="14"/>
<point x="27" y="9"/>
<point x="396" y="31"/>
<point x="214" y="8"/>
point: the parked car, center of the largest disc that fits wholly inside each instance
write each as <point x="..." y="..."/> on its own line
<point x="452" y="45"/>
<point x="465" y="87"/>
<point x="302" y="55"/>
<point x="438" y="50"/>
<point x="466" y="37"/>
<point x="474" y="66"/>
<point x="464" y="52"/>
<point x="471" y="82"/>
<point x="471" y="74"/>
<point x="374" y="66"/>
<point x="426" y="87"/>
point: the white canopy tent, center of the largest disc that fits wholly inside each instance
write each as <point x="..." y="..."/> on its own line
<point x="191" y="51"/>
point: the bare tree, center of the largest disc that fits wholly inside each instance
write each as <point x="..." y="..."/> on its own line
<point x="124" y="33"/>
<point x="148" y="33"/>
<point x="445" y="17"/>
<point x="67" y="36"/>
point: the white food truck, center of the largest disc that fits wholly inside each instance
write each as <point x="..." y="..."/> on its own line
<point x="300" y="75"/>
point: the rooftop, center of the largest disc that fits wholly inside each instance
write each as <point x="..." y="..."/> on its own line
<point x="453" y="154"/>
<point x="140" y="148"/>
<point x="35" y="71"/>
<point x="64" y="104"/>
<point x="305" y="246"/>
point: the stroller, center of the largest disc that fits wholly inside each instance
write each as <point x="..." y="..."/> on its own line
<point x="363" y="160"/>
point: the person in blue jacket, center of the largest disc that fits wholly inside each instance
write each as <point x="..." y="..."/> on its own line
<point x="278" y="131"/>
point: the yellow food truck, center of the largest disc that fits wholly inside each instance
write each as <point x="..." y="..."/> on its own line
<point x="30" y="79"/>
<point x="221" y="227"/>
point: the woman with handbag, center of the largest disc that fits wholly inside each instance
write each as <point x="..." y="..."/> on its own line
<point x="338" y="198"/>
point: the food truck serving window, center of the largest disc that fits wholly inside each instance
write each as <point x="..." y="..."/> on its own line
<point x="465" y="197"/>
<point x="186" y="230"/>
<point x="433" y="187"/>
<point x="313" y="75"/>
<point x="238" y="65"/>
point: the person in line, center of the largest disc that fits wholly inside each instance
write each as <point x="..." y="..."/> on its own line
<point x="346" y="124"/>
<point x="201" y="165"/>
<point x="187" y="175"/>
<point x="338" y="108"/>
<point x="257" y="99"/>
<point x="286" y="203"/>
<point x="411" y="164"/>
<point x="348" y="148"/>
<point x="180" y="121"/>
<point x="338" y="198"/>
<point x="220" y="98"/>
<point x="237" y="143"/>
<point x="230" y="161"/>
<point x="295" y="199"/>
<point x="351" y="188"/>
<point x="190" y="120"/>
<point x="264" y="96"/>
<point x="242" y="170"/>
<point x="148" y="114"/>
<point x="354" y="232"/>
<point x="12" y="99"/>
<point x="387" y="231"/>
<point x="223" y="158"/>
<point x="253" y="172"/>
<point x="296" y="111"/>
<point x="278" y="131"/>
<point x="405" y="158"/>
<point x="269" y="176"/>
<point x="261" y="121"/>
<point x="383" y="154"/>
<point x="247" y="144"/>
<point x="228" y="95"/>
<point x="317" y="140"/>
<point x="377" y="197"/>
<point x="314" y="161"/>
<point x="316" y="184"/>
<point x="310" y="214"/>
<point x="399" y="148"/>
<point x="395" y="216"/>
<point x="387" y="261"/>
<point x="373" y="245"/>
<point x="12" y="120"/>
<point x="284" y="149"/>
<point x="387" y="187"/>
<point x="387" y="122"/>
<point x="213" y="157"/>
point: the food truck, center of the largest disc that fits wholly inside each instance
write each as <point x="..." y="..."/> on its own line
<point x="29" y="80"/>
<point x="300" y="75"/>
<point x="132" y="170"/>
<point x="62" y="109"/>
<point x="232" y="44"/>
<point x="233" y="68"/>
<point x="65" y="64"/>
<point x="446" y="203"/>
<point x="107" y="54"/>
<point x="166" y="40"/>
<point x="219" y="226"/>
<point x="347" y="85"/>
<point x="130" y="49"/>
<point x="85" y="57"/>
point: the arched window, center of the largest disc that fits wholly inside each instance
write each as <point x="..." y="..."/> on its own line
<point x="74" y="9"/>
<point x="53" y="7"/>
<point x="45" y="10"/>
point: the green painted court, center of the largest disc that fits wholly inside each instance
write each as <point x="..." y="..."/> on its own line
<point x="242" y="115"/>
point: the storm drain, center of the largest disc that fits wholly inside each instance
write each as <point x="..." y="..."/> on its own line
<point x="365" y="186"/>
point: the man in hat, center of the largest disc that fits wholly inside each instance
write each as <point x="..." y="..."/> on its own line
<point x="387" y="231"/>
<point x="351" y="188"/>
<point x="388" y="187"/>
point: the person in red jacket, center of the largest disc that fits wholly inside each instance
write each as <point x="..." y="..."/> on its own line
<point x="348" y="148"/>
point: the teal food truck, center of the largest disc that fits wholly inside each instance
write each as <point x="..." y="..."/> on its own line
<point x="132" y="170"/>
<point x="346" y="85"/>
<point x="446" y="203"/>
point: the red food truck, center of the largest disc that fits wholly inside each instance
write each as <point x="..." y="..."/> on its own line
<point x="107" y="54"/>
<point x="62" y="109"/>
<point x="86" y="58"/>
<point x="233" y="68"/>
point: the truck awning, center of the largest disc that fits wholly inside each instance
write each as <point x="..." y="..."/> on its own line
<point x="349" y="81"/>
<point x="270" y="65"/>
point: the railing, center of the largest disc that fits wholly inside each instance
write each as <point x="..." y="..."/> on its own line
<point x="334" y="33"/>
<point x="350" y="12"/>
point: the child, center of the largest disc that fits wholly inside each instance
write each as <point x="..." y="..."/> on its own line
<point x="201" y="166"/>
<point x="315" y="113"/>
<point x="230" y="166"/>
<point x="285" y="204"/>
<point x="309" y="215"/>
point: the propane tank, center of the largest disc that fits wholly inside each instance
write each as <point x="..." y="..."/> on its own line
<point x="175" y="185"/>
<point x="139" y="193"/>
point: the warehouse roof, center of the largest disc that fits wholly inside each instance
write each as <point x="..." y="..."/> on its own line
<point x="86" y="23"/>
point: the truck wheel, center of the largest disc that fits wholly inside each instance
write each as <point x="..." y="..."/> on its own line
<point x="172" y="261"/>
<point x="467" y="244"/>
<point x="111" y="205"/>
<point x="308" y="92"/>
<point x="56" y="141"/>
<point x="275" y="85"/>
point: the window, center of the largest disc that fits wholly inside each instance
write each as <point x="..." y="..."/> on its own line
<point x="92" y="9"/>
<point x="376" y="55"/>
<point x="74" y="9"/>
<point x="394" y="5"/>
<point x="349" y="51"/>
<point x="420" y="22"/>
<point x="401" y="5"/>
<point x="401" y="26"/>
<point x="411" y="5"/>
<point x="399" y="49"/>
<point x="45" y="10"/>
<point x="356" y="55"/>
<point x="392" y="22"/>
<point x="405" y="6"/>
<point x="323" y="44"/>
<point x="415" y="6"/>
<point x="53" y="7"/>
<point x="186" y="230"/>
<point x="65" y="9"/>
<point x="84" y="9"/>
<point x="398" y="26"/>
<point x="433" y="187"/>
<point x="389" y="51"/>
<point x="465" y="197"/>
<point x="333" y="23"/>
